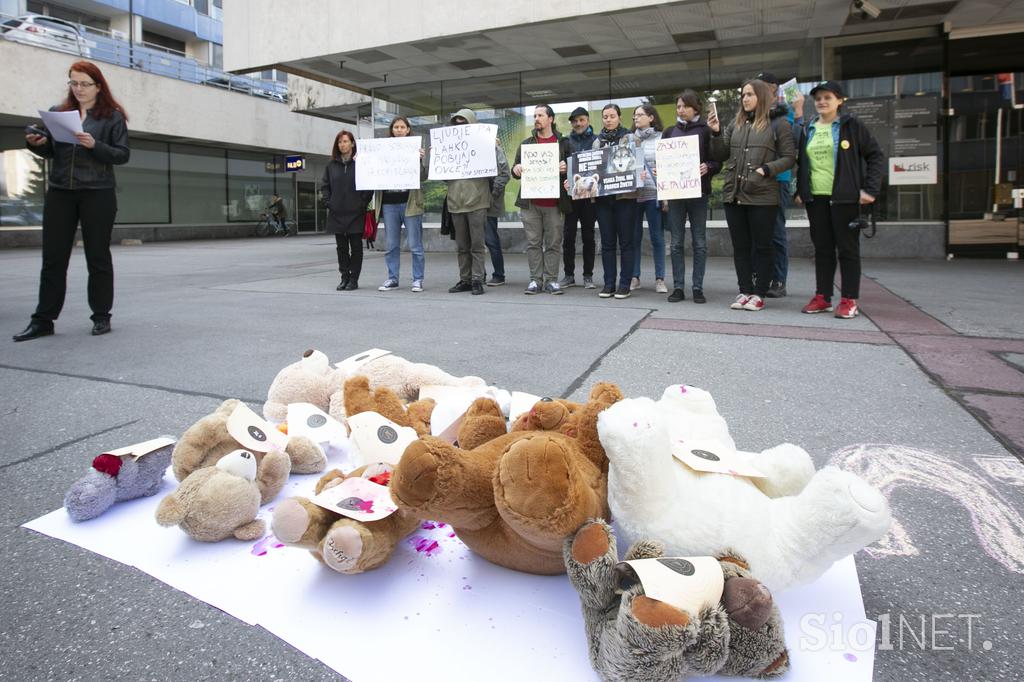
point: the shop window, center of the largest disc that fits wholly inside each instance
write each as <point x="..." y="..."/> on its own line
<point x="250" y="185"/>
<point x="22" y="186"/>
<point x="142" y="191"/>
<point x="198" y="185"/>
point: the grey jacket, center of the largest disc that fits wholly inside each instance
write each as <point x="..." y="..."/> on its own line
<point x="468" y="195"/>
<point x="75" y="167"/>
<point x="743" y="150"/>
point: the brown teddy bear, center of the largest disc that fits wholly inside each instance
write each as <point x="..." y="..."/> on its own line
<point x="344" y="544"/>
<point x="512" y="497"/>
<point x="206" y="441"/>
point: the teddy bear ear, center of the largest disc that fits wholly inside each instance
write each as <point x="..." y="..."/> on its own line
<point x="170" y="512"/>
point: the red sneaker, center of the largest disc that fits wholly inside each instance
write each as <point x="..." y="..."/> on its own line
<point x="847" y="308"/>
<point x="755" y="303"/>
<point x="818" y="304"/>
<point x="740" y="301"/>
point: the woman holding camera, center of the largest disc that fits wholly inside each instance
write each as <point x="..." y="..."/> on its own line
<point x="754" y="152"/>
<point x="80" y="190"/>
<point x="840" y="170"/>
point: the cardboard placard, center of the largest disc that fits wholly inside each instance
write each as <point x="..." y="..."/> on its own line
<point x="464" y="151"/>
<point x="678" y="163"/>
<point x="306" y="419"/>
<point x="540" y="171"/>
<point x="379" y="439"/>
<point x="354" y="362"/>
<point x="388" y="163"/>
<point x="608" y="170"/>
<point x="141" y="449"/>
<point x="358" y="498"/>
<point x="713" y="456"/>
<point x="687" y="583"/>
<point x="521" y="402"/>
<point x="253" y="432"/>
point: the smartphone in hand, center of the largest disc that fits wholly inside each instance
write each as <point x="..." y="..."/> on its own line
<point x="36" y="130"/>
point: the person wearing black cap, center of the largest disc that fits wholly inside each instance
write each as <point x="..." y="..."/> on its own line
<point x="841" y="167"/>
<point x="583" y="211"/>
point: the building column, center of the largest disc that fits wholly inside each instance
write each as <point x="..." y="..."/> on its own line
<point x="123" y="23"/>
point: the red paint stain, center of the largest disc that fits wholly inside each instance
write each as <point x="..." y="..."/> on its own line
<point x="424" y="545"/>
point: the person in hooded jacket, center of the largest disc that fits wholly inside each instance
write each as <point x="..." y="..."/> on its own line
<point x="841" y="166"/>
<point x="346" y="209"/>
<point x="754" y="151"/>
<point x="689" y="121"/>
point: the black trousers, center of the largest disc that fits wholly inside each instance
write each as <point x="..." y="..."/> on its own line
<point x="350" y="254"/>
<point x="750" y="229"/>
<point x="584" y="212"/>
<point x="63" y="211"/>
<point x="831" y="235"/>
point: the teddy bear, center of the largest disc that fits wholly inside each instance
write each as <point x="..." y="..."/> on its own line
<point x="632" y="636"/>
<point x="206" y="441"/>
<point x="114" y="478"/>
<point x="344" y="544"/>
<point x="791" y="524"/>
<point x="313" y="380"/>
<point x="513" y="497"/>
<point x="222" y="501"/>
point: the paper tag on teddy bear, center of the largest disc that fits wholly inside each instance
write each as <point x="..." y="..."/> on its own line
<point x="450" y="405"/>
<point x="241" y="463"/>
<point x="358" y="498"/>
<point x="253" y="432"/>
<point x="687" y="583"/>
<point x="353" y="362"/>
<point x="713" y="456"/>
<point x="306" y="419"/>
<point x="379" y="439"/>
<point x="521" y="403"/>
<point x="142" y="449"/>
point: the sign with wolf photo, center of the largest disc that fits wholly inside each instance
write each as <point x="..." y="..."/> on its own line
<point x="388" y="163"/>
<point x="678" y="163"/>
<point x="540" y="170"/>
<point x="601" y="172"/>
<point x="463" y="152"/>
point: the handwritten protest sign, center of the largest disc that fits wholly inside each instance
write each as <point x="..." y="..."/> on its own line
<point x="600" y="172"/>
<point x="465" y="151"/>
<point x="388" y="163"/>
<point x="540" y="171"/>
<point x="678" y="163"/>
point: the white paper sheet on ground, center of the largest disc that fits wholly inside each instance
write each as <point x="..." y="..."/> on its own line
<point x="357" y="498"/>
<point x="142" y="449"/>
<point x="353" y="362"/>
<point x="450" y="405"/>
<point x="432" y="592"/>
<point x="253" y="432"/>
<point x="521" y="402"/>
<point x="713" y="456"/>
<point x="379" y="439"/>
<point x="687" y="583"/>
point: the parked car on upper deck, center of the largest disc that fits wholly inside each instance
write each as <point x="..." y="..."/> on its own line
<point x="47" y="32"/>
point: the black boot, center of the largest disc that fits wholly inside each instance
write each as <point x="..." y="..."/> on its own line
<point x="352" y="284"/>
<point x="344" y="282"/>
<point x="34" y="330"/>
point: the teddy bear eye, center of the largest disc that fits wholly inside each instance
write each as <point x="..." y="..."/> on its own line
<point x="245" y="455"/>
<point x="315" y="421"/>
<point x="704" y="454"/>
<point x="257" y="433"/>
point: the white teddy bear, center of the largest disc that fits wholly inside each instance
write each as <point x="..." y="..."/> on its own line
<point x="790" y="525"/>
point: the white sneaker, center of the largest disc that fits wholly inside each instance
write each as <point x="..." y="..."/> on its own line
<point x="588" y="283"/>
<point x="740" y="301"/>
<point x="754" y="302"/>
<point x="659" y="286"/>
<point x="389" y="285"/>
<point x="532" y="288"/>
<point x="417" y="285"/>
<point x="634" y="284"/>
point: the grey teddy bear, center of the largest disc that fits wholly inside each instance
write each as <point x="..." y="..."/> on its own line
<point x="116" y="479"/>
<point x="633" y="637"/>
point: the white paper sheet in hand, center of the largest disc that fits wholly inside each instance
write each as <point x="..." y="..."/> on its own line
<point x="63" y="125"/>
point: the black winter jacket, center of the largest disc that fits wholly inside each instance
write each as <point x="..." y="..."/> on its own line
<point x="744" y="149"/>
<point x="346" y="206"/>
<point x="698" y="127"/>
<point x="75" y="167"/>
<point x="860" y="163"/>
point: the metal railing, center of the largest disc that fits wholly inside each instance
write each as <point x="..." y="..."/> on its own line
<point x="112" y="48"/>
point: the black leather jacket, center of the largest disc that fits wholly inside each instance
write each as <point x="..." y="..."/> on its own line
<point x="75" y="167"/>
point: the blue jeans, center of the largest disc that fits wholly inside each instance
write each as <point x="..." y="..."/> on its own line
<point x="652" y="210"/>
<point x="697" y="211"/>
<point x="616" y="219"/>
<point x="394" y="217"/>
<point x="780" y="242"/>
<point x="493" y="241"/>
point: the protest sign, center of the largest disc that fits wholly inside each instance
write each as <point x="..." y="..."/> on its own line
<point x="678" y="163"/>
<point x="540" y="171"/>
<point x="464" y="151"/>
<point x="391" y="163"/>
<point x="604" y="171"/>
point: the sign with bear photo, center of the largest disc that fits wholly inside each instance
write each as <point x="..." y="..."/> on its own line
<point x="601" y="172"/>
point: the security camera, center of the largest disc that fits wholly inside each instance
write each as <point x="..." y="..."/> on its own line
<point x="865" y="9"/>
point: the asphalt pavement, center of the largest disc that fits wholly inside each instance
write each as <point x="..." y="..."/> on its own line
<point x="923" y="394"/>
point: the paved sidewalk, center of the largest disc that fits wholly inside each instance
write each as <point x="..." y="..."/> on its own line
<point x="923" y="393"/>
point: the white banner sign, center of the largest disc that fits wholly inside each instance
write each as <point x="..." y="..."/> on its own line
<point x="388" y="163"/>
<point x="678" y="163"/>
<point x="540" y="170"/>
<point x="464" y="151"/>
<point x="913" y="170"/>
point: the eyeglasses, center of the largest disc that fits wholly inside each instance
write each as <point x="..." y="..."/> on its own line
<point x="83" y="84"/>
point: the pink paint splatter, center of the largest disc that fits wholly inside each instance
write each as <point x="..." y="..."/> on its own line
<point x="261" y="546"/>
<point x="682" y="389"/>
<point x="428" y="525"/>
<point x="850" y="657"/>
<point x="451" y="535"/>
<point x="424" y="545"/>
<point x="467" y="587"/>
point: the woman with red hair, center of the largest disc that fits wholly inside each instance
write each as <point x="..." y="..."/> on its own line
<point x="80" y="191"/>
<point x="346" y="208"/>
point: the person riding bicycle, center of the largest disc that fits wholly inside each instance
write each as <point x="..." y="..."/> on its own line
<point x="278" y="215"/>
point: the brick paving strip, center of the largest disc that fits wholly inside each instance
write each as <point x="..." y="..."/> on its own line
<point x="969" y="369"/>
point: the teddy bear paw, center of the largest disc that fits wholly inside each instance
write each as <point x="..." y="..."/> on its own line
<point x="290" y="521"/>
<point x="747" y="602"/>
<point x="342" y="548"/>
<point x="415" y="480"/>
<point x="535" y="478"/>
